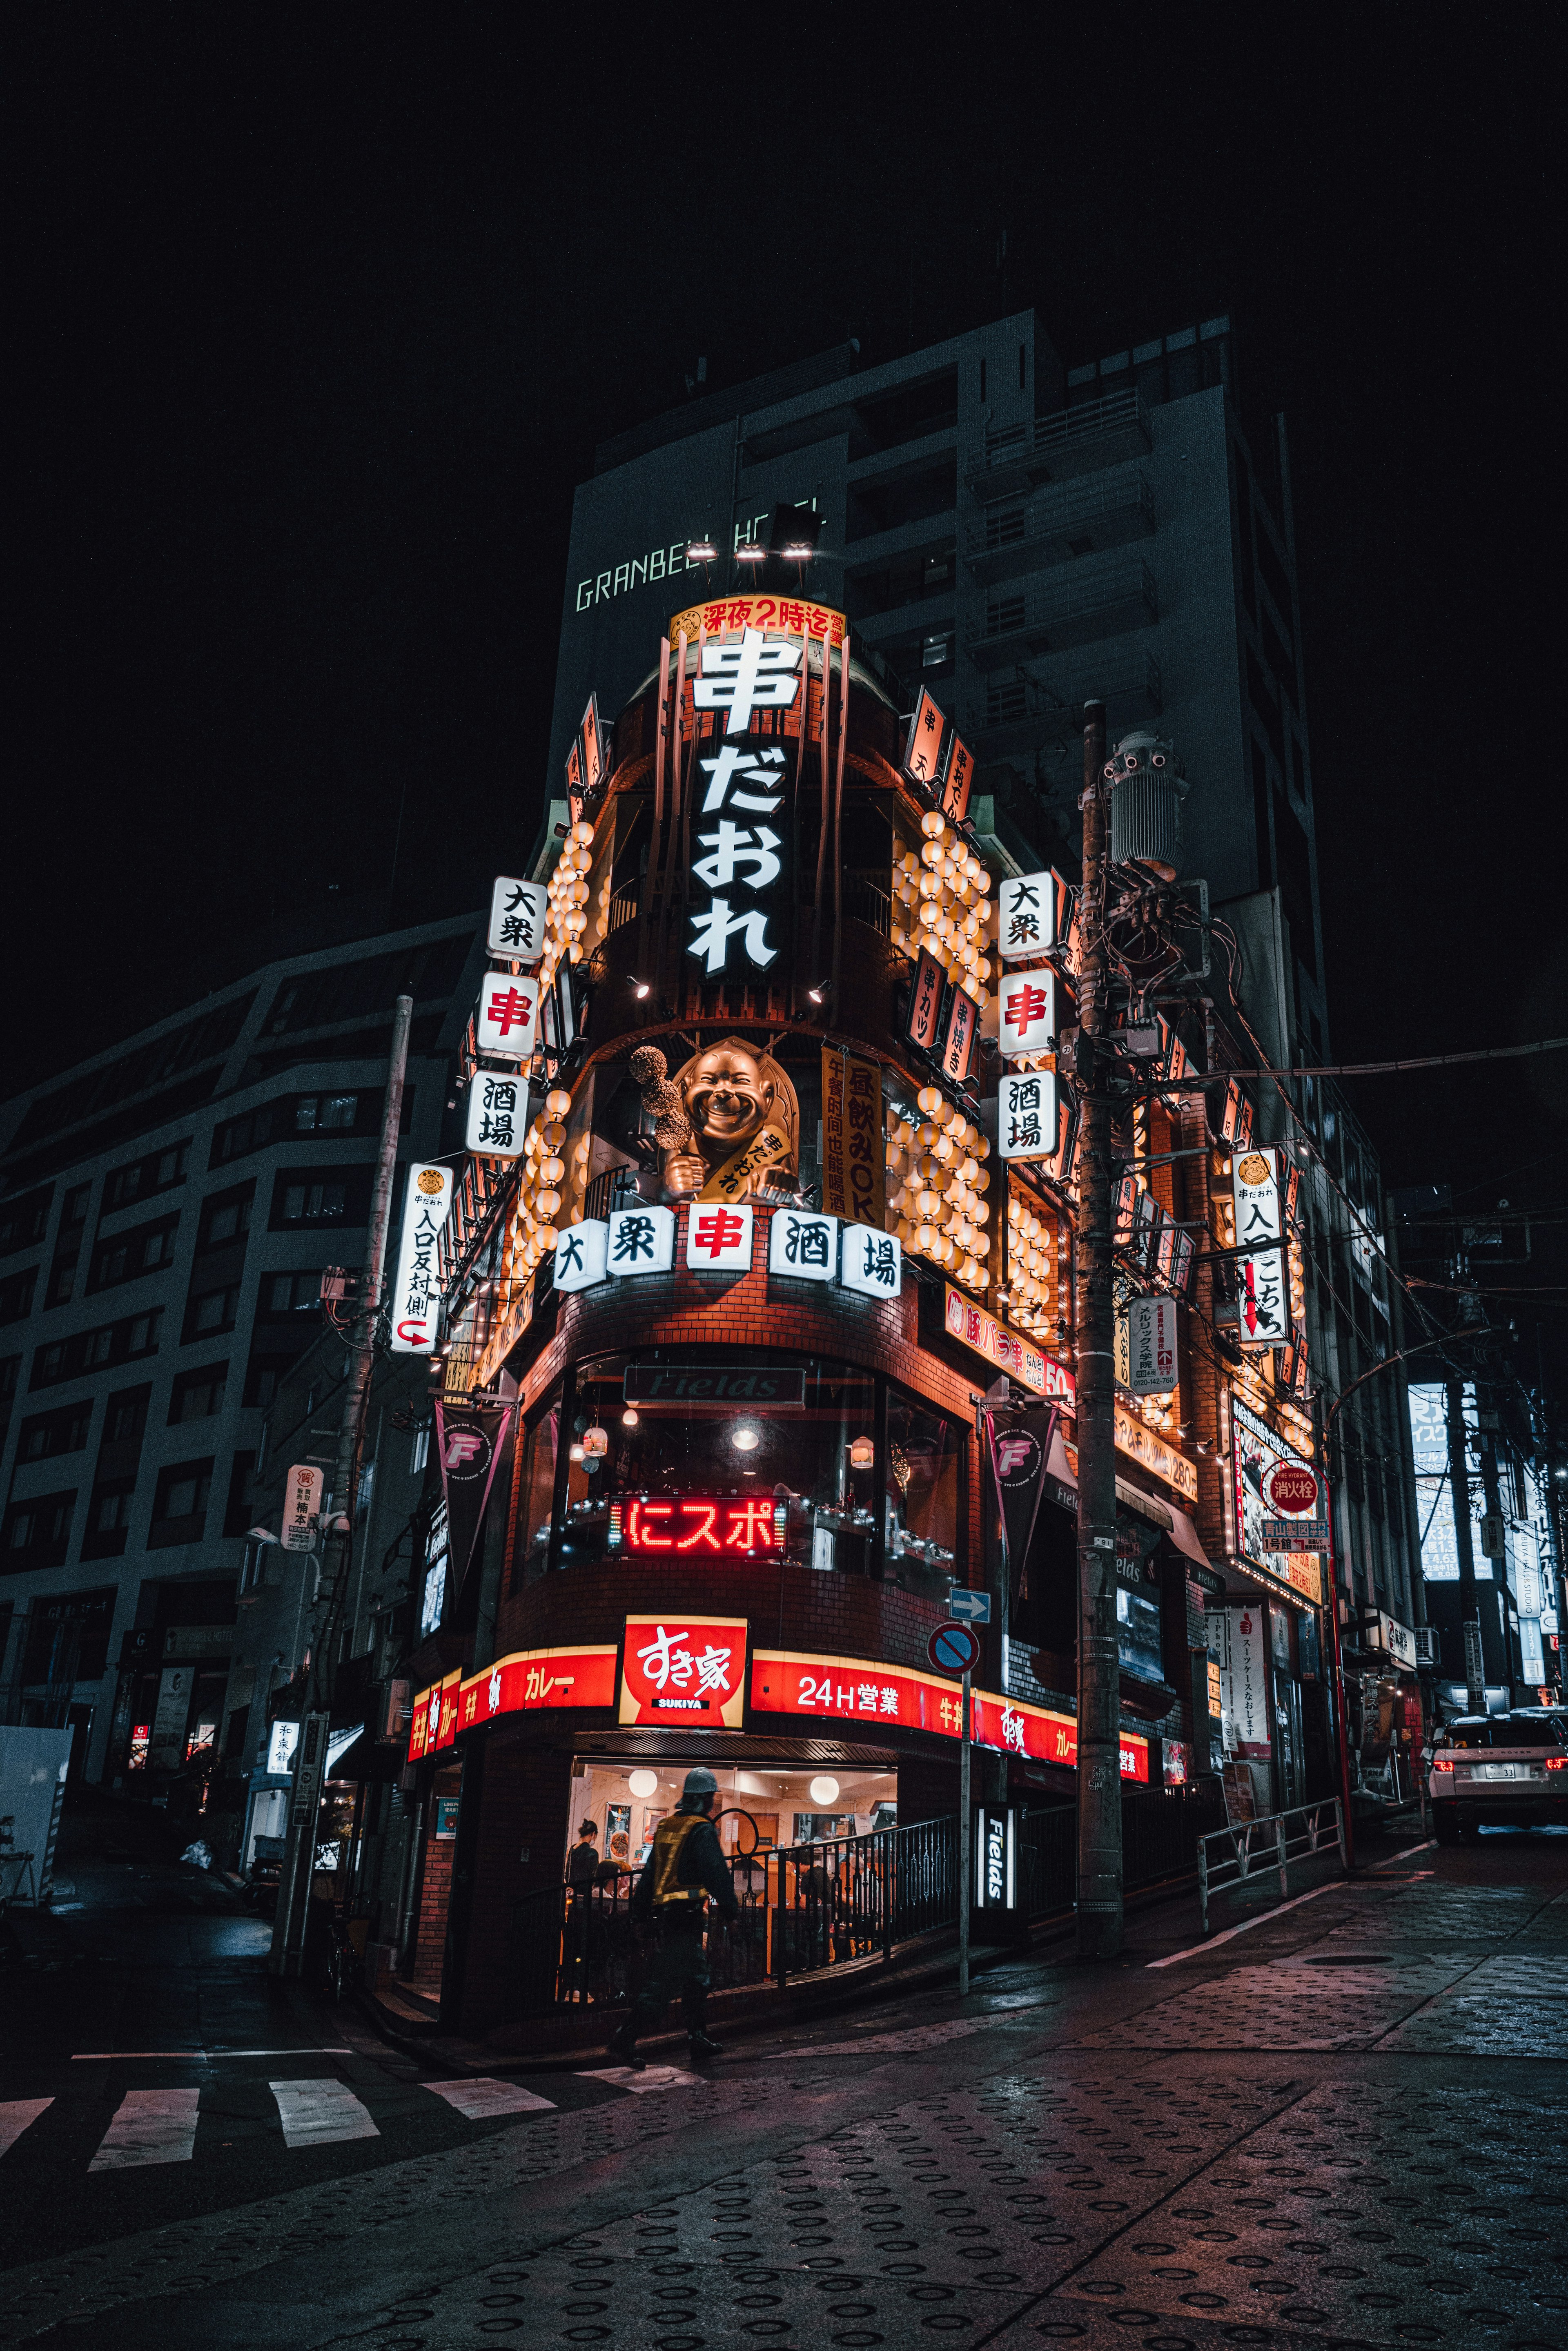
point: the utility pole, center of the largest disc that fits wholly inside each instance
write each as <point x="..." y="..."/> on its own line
<point x="287" y="1955"/>
<point x="1099" y="1706"/>
<point x="1470" y="1608"/>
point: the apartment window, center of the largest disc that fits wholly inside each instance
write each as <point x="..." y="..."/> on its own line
<point x="197" y="1396"/>
<point x="126" y="1416"/>
<point x="212" y="1311"/>
<point x="79" y="1200"/>
<point x="321" y="1113"/>
<point x="238" y="1136"/>
<point x="1003" y="615"/>
<point x="180" y="1503"/>
<point x="26" y="1220"/>
<point x="108" y="1520"/>
<point x="37" y="1532"/>
<point x="156" y="1173"/>
<point x="315" y="1204"/>
<point x="49" y="1432"/>
<point x="291" y="1293"/>
<point x="936" y="653"/>
<point x="10" y="1378"/>
<point x="1004" y="528"/>
<point x="1006" y="703"/>
<point x="16" y="1295"/>
<point x="63" y="1272"/>
<point x="112" y="1343"/>
<point x="226" y="1217"/>
<point x="144" y="1249"/>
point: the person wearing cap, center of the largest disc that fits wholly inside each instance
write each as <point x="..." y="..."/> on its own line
<point x="685" y="1870"/>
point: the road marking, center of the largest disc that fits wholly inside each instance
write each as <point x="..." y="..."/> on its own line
<point x="652" y="2077"/>
<point x="1424" y="1846"/>
<point x="315" y="2114"/>
<point x="1334" y="1886"/>
<point x="480" y="2096"/>
<point x="148" y="2126"/>
<point x="115" y="2056"/>
<point x="16" y="2113"/>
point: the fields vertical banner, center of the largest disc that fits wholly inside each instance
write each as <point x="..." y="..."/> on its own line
<point x="853" y="1158"/>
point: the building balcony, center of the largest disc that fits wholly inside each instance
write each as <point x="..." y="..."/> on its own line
<point x="1061" y="528"/>
<point x="1013" y="459"/>
<point x="1074" y="610"/>
<point x="1019" y="713"/>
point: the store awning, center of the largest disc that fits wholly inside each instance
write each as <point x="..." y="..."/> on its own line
<point x="1175" y="1522"/>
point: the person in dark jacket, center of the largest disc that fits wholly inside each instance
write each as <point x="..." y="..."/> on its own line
<point x="685" y="1870"/>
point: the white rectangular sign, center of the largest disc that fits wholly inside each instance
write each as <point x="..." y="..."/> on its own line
<point x="506" y="1018"/>
<point x="1027" y="1117"/>
<point x="1148" y="1333"/>
<point x="301" y="1506"/>
<point x="801" y="1245"/>
<point x="871" y="1261"/>
<point x="518" y="920"/>
<point x="1026" y="915"/>
<point x="1026" y="1014"/>
<point x="497" y="1114"/>
<point x="416" y="1291"/>
<point x="580" y="1254"/>
<point x="642" y="1241"/>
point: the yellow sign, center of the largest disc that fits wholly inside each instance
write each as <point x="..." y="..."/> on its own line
<point x="853" y="1155"/>
<point x="1135" y="1438"/>
<point x="725" y="616"/>
<point x="734" y="1180"/>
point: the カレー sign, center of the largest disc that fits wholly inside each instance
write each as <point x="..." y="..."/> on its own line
<point x="417" y="1294"/>
<point x="686" y="1671"/>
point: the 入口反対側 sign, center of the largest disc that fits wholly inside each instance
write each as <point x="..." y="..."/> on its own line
<point x="416" y="1287"/>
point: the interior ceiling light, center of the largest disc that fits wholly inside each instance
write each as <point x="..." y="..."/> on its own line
<point x="746" y="1436"/>
<point x="824" y="1789"/>
<point x="643" y="1784"/>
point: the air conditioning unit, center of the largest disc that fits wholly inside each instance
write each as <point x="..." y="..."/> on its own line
<point x="1428" y="1645"/>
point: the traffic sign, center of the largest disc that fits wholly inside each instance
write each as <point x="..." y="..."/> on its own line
<point x="954" y="1649"/>
<point x="969" y="1608"/>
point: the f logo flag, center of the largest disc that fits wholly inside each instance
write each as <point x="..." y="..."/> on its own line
<point x="469" y="1440"/>
<point x="1017" y="1468"/>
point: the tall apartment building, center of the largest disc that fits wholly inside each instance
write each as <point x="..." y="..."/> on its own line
<point x="167" y="1209"/>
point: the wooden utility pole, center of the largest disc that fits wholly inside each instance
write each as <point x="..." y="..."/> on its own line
<point x="1098" y="1704"/>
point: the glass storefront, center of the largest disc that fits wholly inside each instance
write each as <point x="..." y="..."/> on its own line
<point x="759" y="1806"/>
<point x="671" y="1454"/>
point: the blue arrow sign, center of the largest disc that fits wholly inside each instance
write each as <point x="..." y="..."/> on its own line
<point x="969" y="1608"/>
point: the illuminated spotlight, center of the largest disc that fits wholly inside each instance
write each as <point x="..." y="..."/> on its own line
<point x="749" y="552"/>
<point x="630" y="1417"/>
<point x="746" y="1436"/>
<point x="793" y="531"/>
<point x="820" y="994"/>
<point x="639" y="986"/>
<point x="702" y="550"/>
<point x="643" y="1784"/>
<point x="824" y="1789"/>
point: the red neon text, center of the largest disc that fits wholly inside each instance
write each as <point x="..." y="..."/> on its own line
<point x="704" y="1526"/>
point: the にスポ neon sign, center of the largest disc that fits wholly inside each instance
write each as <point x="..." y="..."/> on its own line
<point x="691" y="1523"/>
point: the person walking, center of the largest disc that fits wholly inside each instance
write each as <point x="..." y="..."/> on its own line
<point x="582" y="1866"/>
<point x="683" y="1871"/>
<point x="583" y="1861"/>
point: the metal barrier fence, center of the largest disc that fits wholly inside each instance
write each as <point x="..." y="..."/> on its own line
<point x="810" y="1906"/>
<point x="1248" y="1847"/>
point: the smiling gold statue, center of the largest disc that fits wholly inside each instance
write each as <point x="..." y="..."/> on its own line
<point x="742" y="1121"/>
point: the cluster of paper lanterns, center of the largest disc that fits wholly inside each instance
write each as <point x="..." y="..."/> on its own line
<point x="942" y="902"/>
<point x="936" y="1203"/>
<point x="1033" y="1276"/>
<point x="566" y="915"/>
<point x="535" y="1230"/>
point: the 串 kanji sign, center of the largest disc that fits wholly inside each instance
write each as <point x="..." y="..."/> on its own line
<point x="506" y="1016"/>
<point x="642" y="1241"/>
<point x="497" y="1120"/>
<point x="689" y="1671"/>
<point x="719" y="1240"/>
<point x="1026" y="916"/>
<point x="802" y="1247"/>
<point x="1263" y="1311"/>
<point x="759" y="674"/>
<point x="416" y="1288"/>
<point x="517" y="912"/>
<point x="1027" y="1116"/>
<point x="1026" y="1017"/>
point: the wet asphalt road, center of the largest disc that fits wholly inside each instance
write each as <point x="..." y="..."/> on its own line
<point x="1344" y="2125"/>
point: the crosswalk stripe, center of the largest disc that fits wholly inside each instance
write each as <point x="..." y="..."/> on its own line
<point x="150" y="2126"/>
<point x="315" y="2113"/>
<point x="652" y="2077"/>
<point x="481" y="2096"/>
<point x="16" y="2113"/>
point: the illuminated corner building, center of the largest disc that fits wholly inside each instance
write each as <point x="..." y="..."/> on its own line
<point x="169" y="1207"/>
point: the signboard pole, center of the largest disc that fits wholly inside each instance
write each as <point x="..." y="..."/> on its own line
<point x="1469" y="1605"/>
<point x="965" y="1830"/>
<point x="287" y="1954"/>
<point x="1099" y="1692"/>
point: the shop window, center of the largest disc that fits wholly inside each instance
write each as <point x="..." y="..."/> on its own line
<point x="179" y="1507"/>
<point x="725" y="1455"/>
<point x="536" y="1492"/>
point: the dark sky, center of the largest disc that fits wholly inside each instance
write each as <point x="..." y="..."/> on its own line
<point x="316" y="321"/>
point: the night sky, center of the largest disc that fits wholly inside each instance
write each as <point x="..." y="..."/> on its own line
<point x="316" y="322"/>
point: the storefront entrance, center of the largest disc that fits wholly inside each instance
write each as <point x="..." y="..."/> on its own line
<point x="761" y="1806"/>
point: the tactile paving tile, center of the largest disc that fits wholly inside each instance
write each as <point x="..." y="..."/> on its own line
<point x="1338" y="2218"/>
<point x="1263" y="2008"/>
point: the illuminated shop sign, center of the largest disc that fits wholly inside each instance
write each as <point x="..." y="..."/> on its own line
<point x="1262" y="1304"/>
<point x="853" y="1158"/>
<point x="735" y="1528"/>
<point x="1257" y="1458"/>
<point x="506" y="1016"/>
<point x="735" y="615"/>
<point x="973" y="1328"/>
<point x="1140" y="1444"/>
<point x="849" y="1689"/>
<point x="498" y="1120"/>
<point x="1028" y="1115"/>
<point x="996" y="1862"/>
<point x="719" y="1386"/>
<point x="1027" y="1019"/>
<point x="517" y="911"/>
<point x="416" y="1291"/>
<point x="520" y="1683"/>
<point x="689" y="1671"/>
<point x="1030" y="908"/>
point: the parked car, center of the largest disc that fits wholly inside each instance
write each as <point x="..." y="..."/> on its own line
<point x="1499" y="1770"/>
